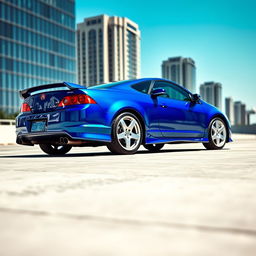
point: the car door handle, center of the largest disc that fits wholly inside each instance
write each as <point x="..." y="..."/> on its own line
<point x="163" y="106"/>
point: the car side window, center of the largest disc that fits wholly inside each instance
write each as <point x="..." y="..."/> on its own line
<point x="142" y="86"/>
<point x="172" y="91"/>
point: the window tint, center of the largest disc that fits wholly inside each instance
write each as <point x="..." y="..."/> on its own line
<point x="142" y="86"/>
<point x="172" y="91"/>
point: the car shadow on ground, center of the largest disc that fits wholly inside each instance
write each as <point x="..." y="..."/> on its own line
<point x="106" y="153"/>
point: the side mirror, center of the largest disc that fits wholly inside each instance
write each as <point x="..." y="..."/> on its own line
<point x="195" y="97"/>
<point x="158" y="92"/>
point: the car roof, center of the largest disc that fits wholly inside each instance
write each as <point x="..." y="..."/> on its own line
<point x="125" y="84"/>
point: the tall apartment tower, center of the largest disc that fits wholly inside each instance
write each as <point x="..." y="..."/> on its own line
<point x="249" y="113"/>
<point x="108" y="49"/>
<point x="37" y="46"/>
<point x="243" y="114"/>
<point x="229" y="109"/>
<point x="211" y="92"/>
<point x="238" y="112"/>
<point x="180" y="70"/>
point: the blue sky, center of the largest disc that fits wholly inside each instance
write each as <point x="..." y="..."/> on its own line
<point x="219" y="35"/>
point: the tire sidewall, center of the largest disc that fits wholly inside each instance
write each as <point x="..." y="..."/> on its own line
<point x="51" y="151"/>
<point x="154" y="147"/>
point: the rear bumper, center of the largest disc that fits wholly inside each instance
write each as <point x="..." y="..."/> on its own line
<point x="81" y="123"/>
<point x="39" y="138"/>
<point x="72" y="130"/>
<point x="55" y="138"/>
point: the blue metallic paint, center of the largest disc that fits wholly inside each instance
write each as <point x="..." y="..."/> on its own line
<point x="165" y="120"/>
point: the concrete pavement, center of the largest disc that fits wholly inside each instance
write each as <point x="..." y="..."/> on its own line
<point x="184" y="200"/>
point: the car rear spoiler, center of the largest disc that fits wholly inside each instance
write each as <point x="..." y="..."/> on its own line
<point x="27" y="92"/>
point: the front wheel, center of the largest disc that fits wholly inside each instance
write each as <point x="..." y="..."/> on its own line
<point x="55" y="149"/>
<point x="217" y="134"/>
<point x="154" y="147"/>
<point x="127" y="134"/>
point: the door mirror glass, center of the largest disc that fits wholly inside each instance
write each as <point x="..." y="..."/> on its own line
<point x="158" y="92"/>
<point x="195" y="97"/>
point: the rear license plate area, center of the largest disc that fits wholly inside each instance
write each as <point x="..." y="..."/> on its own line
<point x="38" y="126"/>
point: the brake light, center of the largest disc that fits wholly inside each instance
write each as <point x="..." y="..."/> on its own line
<point x="76" y="100"/>
<point x="25" y="107"/>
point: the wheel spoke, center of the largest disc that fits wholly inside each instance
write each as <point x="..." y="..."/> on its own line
<point x="214" y="136"/>
<point x="221" y="128"/>
<point x="214" y="130"/>
<point x="135" y="136"/>
<point x="132" y="124"/>
<point x="121" y="135"/>
<point x="123" y="124"/>
<point x="222" y="137"/>
<point x="128" y="142"/>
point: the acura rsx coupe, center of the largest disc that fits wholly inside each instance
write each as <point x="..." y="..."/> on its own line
<point x="122" y="115"/>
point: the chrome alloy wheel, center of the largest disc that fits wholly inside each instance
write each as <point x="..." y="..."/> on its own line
<point x="218" y="133"/>
<point x="128" y="132"/>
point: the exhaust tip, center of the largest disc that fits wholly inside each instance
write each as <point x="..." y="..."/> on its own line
<point x="63" y="140"/>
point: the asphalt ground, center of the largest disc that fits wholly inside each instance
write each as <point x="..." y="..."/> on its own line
<point x="184" y="200"/>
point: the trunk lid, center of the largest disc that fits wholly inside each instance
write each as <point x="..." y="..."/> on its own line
<point x="45" y="101"/>
<point x="46" y="98"/>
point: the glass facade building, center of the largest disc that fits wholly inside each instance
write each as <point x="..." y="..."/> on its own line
<point x="37" y="46"/>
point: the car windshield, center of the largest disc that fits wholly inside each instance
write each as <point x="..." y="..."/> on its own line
<point x="110" y="85"/>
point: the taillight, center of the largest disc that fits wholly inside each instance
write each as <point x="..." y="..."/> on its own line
<point x="25" y="107"/>
<point x="76" y="100"/>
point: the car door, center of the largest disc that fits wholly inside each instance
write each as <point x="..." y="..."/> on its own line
<point x="178" y="116"/>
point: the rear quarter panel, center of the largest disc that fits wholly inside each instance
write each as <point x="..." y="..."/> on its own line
<point x="115" y="101"/>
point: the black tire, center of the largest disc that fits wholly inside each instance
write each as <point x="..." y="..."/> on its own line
<point x="55" y="149"/>
<point x="214" y="136"/>
<point x="154" y="147"/>
<point x="120" y="145"/>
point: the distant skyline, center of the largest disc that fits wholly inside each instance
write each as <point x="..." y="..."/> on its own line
<point x="219" y="35"/>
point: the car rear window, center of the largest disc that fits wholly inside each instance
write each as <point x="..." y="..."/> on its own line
<point x="142" y="86"/>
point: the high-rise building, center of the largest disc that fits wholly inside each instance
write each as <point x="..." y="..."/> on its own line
<point x="37" y="46"/>
<point x="108" y="49"/>
<point x="211" y="92"/>
<point x="249" y="113"/>
<point x="238" y="112"/>
<point x="229" y="109"/>
<point x="181" y="71"/>
<point x="243" y="114"/>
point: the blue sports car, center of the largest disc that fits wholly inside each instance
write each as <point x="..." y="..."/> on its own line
<point x="122" y="115"/>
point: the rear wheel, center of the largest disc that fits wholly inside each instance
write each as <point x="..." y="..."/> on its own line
<point x="127" y="134"/>
<point x="55" y="149"/>
<point x="217" y="134"/>
<point x="154" y="147"/>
